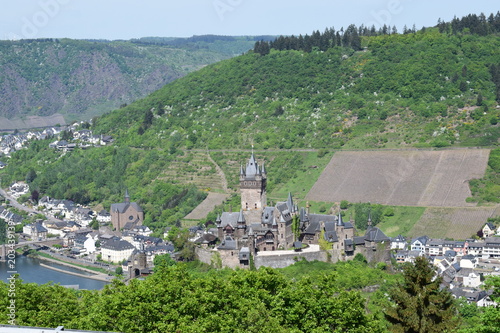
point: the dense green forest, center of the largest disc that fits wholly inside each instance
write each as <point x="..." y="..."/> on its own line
<point x="422" y="89"/>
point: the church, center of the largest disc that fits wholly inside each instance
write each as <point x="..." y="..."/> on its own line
<point x="258" y="227"/>
<point x="126" y="215"/>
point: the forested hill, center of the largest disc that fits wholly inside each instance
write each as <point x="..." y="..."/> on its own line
<point x="81" y="79"/>
<point x="418" y="89"/>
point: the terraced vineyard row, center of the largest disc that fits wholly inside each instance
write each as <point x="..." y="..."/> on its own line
<point x="194" y="168"/>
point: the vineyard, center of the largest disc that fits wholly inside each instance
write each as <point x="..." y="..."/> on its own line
<point x="401" y="178"/>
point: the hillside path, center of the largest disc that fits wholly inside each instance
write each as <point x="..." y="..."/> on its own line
<point x="213" y="199"/>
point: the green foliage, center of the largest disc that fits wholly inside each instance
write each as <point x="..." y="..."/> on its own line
<point x="180" y="240"/>
<point x="364" y="211"/>
<point x="296" y="227"/>
<point x="174" y="300"/>
<point x="73" y="176"/>
<point x="418" y="304"/>
<point x="487" y="189"/>
<point x="162" y="261"/>
<point x="344" y="204"/>
<point x="119" y="270"/>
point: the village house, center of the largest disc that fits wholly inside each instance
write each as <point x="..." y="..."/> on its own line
<point x="116" y="250"/>
<point x="35" y="231"/>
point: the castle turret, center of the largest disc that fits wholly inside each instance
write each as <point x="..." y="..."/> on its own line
<point x="253" y="183"/>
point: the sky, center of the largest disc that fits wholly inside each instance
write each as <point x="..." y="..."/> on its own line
<point x="126" y="19"/>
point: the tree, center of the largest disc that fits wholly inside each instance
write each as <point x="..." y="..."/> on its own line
<point x="30" y="176"/>
<point x="296" y="227"/>
<point x="162" y="261"/>
<point x="418" y="304"/>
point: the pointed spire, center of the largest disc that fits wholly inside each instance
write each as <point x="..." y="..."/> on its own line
<point x="303" y="215"/>
<point x="263" y="169"/>
<point x="127" y="197"/>
<point x="289" y="202"/>
<point x="242" y="172"/>
<point x="370" y="218"/>
<point x="339" y="220"/>
<point x="241" y="218"/>
<point x="218" y="220"/>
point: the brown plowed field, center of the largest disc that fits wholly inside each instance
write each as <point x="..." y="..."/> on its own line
<point x="401" y="178"/>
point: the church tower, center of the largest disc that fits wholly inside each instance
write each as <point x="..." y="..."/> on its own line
<point x="253" y="181"/>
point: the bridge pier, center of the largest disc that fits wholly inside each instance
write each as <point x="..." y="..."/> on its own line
<point x="3" y="253"/>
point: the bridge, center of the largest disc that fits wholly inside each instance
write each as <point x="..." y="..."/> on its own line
<point x="4" y="248"/>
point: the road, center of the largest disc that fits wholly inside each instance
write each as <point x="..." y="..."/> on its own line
<point x="13" y="203"/>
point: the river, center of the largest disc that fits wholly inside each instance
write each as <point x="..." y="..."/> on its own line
<point x="29" y="270"/>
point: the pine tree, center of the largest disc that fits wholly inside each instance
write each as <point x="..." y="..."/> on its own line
<point x="418" y="304"/>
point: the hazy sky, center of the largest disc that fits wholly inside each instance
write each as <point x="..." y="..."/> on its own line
<point x="125" y="19"/>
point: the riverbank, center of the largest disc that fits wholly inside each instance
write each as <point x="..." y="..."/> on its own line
<point x="98" y="277"/>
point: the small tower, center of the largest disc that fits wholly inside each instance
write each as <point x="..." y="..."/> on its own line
<point x="127" y="197"/>
<point x="241" y="224"/>
<point x="253" y="181"/>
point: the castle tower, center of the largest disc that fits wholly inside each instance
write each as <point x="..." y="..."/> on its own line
<point x="253" y="181"/>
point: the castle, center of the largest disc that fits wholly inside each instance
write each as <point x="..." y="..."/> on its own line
<point x="258" y="227"/>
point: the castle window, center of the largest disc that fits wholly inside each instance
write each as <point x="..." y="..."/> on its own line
<point x="255" y="205"/>
<point x="246" y="204"/>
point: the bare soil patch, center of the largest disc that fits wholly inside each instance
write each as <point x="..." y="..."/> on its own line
<point x="208" y="205"/>
<point x="401" y="178"/>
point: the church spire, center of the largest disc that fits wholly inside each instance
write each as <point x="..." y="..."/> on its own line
<point x="127" y="197"/>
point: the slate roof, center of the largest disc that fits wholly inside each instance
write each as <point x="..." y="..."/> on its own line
<point x="490" y="225"/>
<point x="244" y="253"/>
<point x="268" y="216"/>
<point x="117" y="245"/>
<point x="104" y="212"/>
<point x="421" y="239"/>
<point x="470" y="294"/>
<point x="399" y="239"/>
<point x="123" y="206"/>
<point x="330" y="233"/>
<point x="38" y="227"/>
<point x="359" y="240"/>
<point x="228" y="244"/>
<point x="229" y="219"/>
<point x="374" y="234"/>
